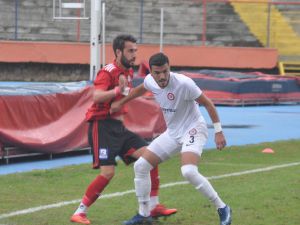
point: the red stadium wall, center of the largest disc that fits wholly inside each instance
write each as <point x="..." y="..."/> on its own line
<point x="180" y="56"/>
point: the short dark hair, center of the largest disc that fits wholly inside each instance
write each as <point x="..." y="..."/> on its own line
<point x="158" y="59"/>
<point x="119" y="41"/>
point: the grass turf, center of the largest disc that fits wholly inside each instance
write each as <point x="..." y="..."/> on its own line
<point x="262" y="198"/>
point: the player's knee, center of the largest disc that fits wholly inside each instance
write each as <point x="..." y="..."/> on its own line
<point x="189" y="171"/>
<point x="142" y="166"/>
<point x="108" y="174"/>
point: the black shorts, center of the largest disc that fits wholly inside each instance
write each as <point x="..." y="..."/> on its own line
<point x="109" y="138"/>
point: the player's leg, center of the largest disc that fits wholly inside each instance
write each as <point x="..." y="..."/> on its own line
<point x="190" y="155"/>
<point x="133" y="142"/>
<point x="157" y="209"/>
<point x="152" y="156"/>
<point x="189" y="170"/>
<point x="142" y="182"/>
<point x="103" y="159"/>
<point x="92" y="193"/>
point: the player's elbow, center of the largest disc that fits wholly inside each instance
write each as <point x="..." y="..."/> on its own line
<point x="98" y="97"/>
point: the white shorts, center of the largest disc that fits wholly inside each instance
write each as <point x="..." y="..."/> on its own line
<point x="194" y="140"/>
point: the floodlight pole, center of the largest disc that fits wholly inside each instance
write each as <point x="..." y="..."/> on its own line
<point x="161" y="30"/>
<point x="103" y="34"/>
<point x="95" y="38"/>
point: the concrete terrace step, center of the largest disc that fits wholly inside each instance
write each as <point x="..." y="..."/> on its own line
<point x="282" y="35"/>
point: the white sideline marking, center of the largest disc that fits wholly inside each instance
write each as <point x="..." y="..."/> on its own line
<point x="118" y="194"/>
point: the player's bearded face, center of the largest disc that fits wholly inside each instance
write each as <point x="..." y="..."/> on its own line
<point x="126" y="62"/>
<point x="161" y="75"/>
<point x="128" y="55"/>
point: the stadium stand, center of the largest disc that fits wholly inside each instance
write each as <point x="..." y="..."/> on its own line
<point x="282" y="20"/>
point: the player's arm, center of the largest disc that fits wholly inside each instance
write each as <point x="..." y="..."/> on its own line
<point x="101" y="95"/>
<point x="134" y="93"/>
<point x="211" y="109"/>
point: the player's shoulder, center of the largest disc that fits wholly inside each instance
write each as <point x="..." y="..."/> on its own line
<point x="180" y="77"/>
<point x="149" y="82"/>
<point x="148" y="79"/>
<point x="110" y="68"/>
<point x="183" y="81"/>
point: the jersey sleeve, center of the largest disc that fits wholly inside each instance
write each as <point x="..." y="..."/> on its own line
<point x="103" y="80"/>
<point x="147" y="82"/>
<point x="192" y="91"/>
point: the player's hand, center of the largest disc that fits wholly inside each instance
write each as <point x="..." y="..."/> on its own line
<point x="123" y="83"/>
<point x="220" y="140"/>
<point x="115" y="107"/>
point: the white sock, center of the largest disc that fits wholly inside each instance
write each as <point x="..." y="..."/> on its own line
<point x="207" y="190"/>
<point x="190" y="172"/>
<point x="82" y="208"/>
<point x="144" y="208"/>
<point x="154" y="200"/>
<point x="142" y="183"/>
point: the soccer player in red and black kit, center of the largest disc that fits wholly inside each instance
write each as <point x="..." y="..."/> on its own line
<point x="107" y="135"/>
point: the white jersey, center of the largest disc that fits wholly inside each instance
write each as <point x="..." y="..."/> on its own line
<point x="177" y="102"/>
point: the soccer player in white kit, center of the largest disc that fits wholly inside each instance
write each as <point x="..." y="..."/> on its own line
<point x="178" y="97"/>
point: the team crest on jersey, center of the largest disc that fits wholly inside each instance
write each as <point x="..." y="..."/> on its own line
<point x="193" y="131"/>
<point x="170" y="96"/>
<point x="103" y="153"/>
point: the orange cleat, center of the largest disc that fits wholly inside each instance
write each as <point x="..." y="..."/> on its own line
<point x="80" y="218"/>
<point x="161" y="211"/>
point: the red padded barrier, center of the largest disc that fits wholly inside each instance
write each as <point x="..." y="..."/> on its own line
<point x="56" y="123"/>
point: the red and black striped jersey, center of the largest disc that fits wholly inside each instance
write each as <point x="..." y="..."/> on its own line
<point x="107" y="79"/>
